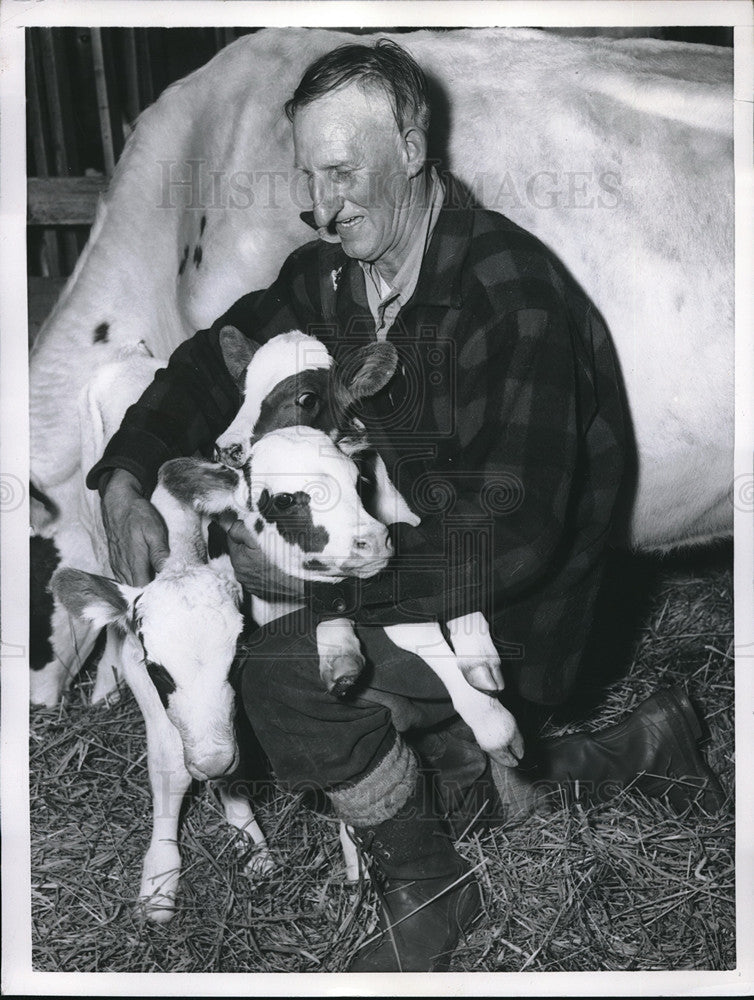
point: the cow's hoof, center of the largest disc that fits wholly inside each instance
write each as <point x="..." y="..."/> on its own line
<point x="106" y="698"/>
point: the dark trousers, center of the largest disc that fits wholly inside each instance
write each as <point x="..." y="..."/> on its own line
<point x="312" y="738"/>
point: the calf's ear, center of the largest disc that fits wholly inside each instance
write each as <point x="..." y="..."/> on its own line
<point x="94" y="598"/>
<point x="367" y="370"/>
<point x="238" y="351"/>
<point x="206" y="487"/>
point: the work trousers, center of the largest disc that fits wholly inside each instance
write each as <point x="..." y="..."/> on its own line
<point x="351" y="747"/>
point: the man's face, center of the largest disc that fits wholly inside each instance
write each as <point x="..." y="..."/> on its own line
<point x="348" y="145"/>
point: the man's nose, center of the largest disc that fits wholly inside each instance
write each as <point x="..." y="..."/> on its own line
<point x="327" y="204"/>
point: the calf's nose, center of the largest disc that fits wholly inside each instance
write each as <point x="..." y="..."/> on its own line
<point x="213" y="764"/>
<point x="231" y="454"/>
<point x="374" y="543"/>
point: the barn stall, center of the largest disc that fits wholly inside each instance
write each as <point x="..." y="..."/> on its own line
<point x="625" y="885"/>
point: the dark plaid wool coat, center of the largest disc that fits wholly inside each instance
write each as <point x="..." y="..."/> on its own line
<point x="503" y="428"/>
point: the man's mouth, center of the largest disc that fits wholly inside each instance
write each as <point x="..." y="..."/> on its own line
<point x="349" y="223"/>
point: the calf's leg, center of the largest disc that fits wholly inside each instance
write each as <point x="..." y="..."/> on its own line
<point x="169" y="781"/>
<point x="493" y="725"/>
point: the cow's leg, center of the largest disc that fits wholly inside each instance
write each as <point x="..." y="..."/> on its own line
<point x="239" y="814"/>
<point x="493" y="725"/>
<point x="72" y="641"/>
<point x="170" y="781"/>
<point x="108" y="670"/>
<point x="340" y="658"/>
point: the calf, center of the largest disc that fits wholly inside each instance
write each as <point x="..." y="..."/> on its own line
<point x="173" y="642"/>
<point x="292" y="380"/>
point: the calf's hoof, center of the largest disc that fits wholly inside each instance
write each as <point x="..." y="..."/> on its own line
<point x="260" y="863"/>
<point x="155" y="909"/>
<point x="340" y="673"/>
<point x="481" y="673"/>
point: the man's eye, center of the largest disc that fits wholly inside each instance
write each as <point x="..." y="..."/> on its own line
<point x="283" y="501"/>
<point x="307" y="400"/>
<point x="341" y="174"/>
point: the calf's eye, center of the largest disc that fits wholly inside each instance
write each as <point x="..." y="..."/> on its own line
<point x="307" y="400"/>
<point x="283" y="501"/>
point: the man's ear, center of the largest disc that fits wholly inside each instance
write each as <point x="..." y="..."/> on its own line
<point x="415" y="146"/>
<point x="367" y="370"/>
<point x="238" y="351"/>
<point x="94" y="598"/>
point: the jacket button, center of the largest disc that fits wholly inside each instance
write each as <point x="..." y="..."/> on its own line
<point x="339" y="604"/>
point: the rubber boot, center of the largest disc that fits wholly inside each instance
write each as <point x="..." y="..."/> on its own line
<point x="654" y="749"/>
<point x="428" y="895"/>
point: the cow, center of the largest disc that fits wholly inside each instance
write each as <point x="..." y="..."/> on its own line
<point x="616" y="153"/>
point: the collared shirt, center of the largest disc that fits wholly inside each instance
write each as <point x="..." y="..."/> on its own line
<point x="503" y="428"/>
<point x="386" y="300"/>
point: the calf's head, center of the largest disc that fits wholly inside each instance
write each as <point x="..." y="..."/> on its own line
<point x="292" y="380"/>
<point x="181" y="630"/>
<point x="298" y="495"/>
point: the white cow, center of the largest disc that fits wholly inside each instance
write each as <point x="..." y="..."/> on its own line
<point x="617" y="154"/>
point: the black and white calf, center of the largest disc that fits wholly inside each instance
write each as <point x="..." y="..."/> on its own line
<point x="291" y="380"/>
<point x="172" y="642"/>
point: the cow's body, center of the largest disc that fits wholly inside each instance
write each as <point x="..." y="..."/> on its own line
<point x="618" y="154"/>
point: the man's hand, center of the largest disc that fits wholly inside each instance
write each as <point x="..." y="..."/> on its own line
<point x="136" y="534"/>
<point x="255" y="572"/>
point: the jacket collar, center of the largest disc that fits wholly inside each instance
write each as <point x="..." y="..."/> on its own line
<point x="440" y="277"/>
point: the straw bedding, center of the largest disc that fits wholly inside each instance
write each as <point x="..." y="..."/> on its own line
<point x="622" y="886"/>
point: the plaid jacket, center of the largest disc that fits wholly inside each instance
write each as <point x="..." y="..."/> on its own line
<point x="503" y="428"/>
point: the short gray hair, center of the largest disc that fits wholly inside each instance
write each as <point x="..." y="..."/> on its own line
<point x="385" y="65"/>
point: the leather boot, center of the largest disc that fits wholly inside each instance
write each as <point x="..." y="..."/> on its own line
<point x="654" y="749"/>
<point x="428" y="895"/>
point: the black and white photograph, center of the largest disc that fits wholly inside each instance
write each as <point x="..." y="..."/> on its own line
<point x="377" y="496"/>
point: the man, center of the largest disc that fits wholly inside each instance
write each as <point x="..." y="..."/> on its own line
<point x="507" y="405"/>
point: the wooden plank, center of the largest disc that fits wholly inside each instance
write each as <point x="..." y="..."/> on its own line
<point x="34" y="110"/>
<point x="146" y="84"/>
<point x="115" y="90"/>
<point x="133" y="107"/>
<point x="63" y="201"/>
<point x="59" y="106"/>
<point x="103" y="106"/>
<point x="36" y="129"/>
